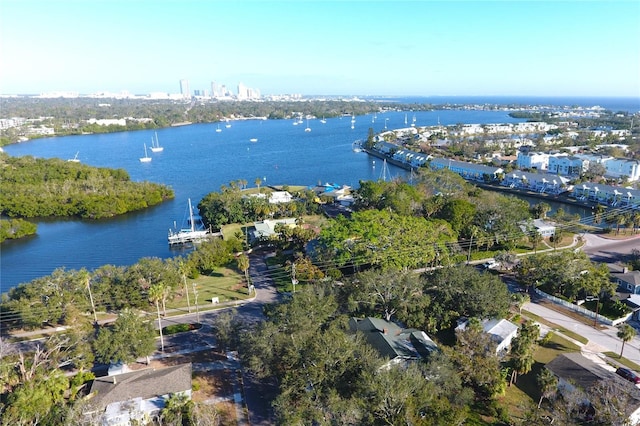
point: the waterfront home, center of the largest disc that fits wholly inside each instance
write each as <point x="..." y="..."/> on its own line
<point x="136" y="396"/>
<point x="615" y="196"/>
<point x="469" y="171"/>
<point x="395" y="344"/>
<point x="538" y="182"/>
<point x="575" y="371"/>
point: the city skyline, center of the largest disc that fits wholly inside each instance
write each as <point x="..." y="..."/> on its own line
<point x="422" y="48"/>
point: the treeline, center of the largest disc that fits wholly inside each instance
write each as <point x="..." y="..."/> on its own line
<point x="35" y="187"/>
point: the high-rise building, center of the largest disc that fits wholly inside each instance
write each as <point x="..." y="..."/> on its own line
<point x="214" y="90"/>
<point x="184" y="89"/>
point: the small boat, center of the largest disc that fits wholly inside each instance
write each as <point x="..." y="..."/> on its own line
<point x="405" y="119"/>
<point x="218" y="130"/>
<point x="413" y="121"/>
<point x="253" y="140"/>
<point x="307" y="129"/>
<point x="228" y="125"/>
<point x="189" y="234"/>
<point x="155" y="145"/>
<point x="356" y="146"/>
<point x="75" y="158"/>
<point x="146" y="158"/>
<point x="323" y="121"/>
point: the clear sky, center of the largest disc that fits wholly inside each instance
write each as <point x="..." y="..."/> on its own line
<point x="572" y="48"/>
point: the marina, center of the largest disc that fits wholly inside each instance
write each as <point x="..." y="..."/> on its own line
<point x="190" y="234"/>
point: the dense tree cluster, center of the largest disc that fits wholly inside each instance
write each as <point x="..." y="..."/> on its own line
<point x="35" y="187"/>
<point x="234" y="204"/>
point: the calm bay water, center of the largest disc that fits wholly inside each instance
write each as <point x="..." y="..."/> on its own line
<point x="197" y="160"/>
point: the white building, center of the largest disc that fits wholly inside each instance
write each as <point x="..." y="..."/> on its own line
<point x="533" y="160"/>
<point x="567" y="165"/>
<point x="619" y="167"/>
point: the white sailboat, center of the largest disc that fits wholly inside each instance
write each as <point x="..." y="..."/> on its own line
<point x="228" y="125"/>
<point x="405" y="119"/>
<point x="218" y="130"/>
<point x="146" y="158"/>
<point x="307" y="129"/>
<point x="413" y="121"/>
<point x="75" y="158"/>
<point x="189" y="234"/>
<point x="155" y="145"/>
<point x="323" y="121"/>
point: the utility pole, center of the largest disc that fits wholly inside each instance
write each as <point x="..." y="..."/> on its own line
<point x="294" y="281"/>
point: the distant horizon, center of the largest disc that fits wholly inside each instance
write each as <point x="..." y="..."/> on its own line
<point x="355" y="47"/>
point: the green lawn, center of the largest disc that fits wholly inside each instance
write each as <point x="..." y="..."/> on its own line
<point x="226" y="284"/>
<point x="525" y="391"/>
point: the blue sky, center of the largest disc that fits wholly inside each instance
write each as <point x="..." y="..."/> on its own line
<point x="573" y="48"/>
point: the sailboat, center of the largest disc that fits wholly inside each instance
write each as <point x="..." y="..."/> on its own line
<point x="218" y="130"/>
<point x="307" y="129"/>
<point x="187" y="235"/>
<point x="405" y="119"/>
<point x="228" y="125"/>
<point x="323" y="121"/>
<point x="75" y="158"/>
<point x="146" y="158"/>
<point x="413" y="121"/>
<point x="155" y="145"/>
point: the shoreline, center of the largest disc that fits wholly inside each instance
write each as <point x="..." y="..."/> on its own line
<point x="558" y="198"/>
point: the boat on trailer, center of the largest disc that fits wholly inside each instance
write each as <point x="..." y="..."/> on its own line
<point x="191" y="234"/>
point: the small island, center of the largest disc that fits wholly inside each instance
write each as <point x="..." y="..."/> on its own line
<point x="36" y="187"/>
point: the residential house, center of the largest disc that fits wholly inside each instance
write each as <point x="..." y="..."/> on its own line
<point x="532" y="160"/>
<point x="628" y="281"/>
<point x="574" y="370"/>
<point x="567" y="165"/>
<point x="267" y="228"/>
<point x="617" y="168"/>
<point x="137" y="396"/>
<point x="544" y="228"/>
<point x="393" y="343"/>
<point x="499" y="330"/>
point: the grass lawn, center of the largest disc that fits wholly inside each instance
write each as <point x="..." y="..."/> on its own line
<point x="525" y="392"/>
<point x="226" y="284"/>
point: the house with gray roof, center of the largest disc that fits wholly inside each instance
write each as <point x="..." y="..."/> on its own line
<point x="574" y="370"/>
<point x="137" y="395"/>
<point x="393" y="343"/>
<point x="628" y="281"/>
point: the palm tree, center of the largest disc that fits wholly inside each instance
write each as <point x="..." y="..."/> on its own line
<point x="156" y="293"/>
<point x="258" y="182"/>
<point x="547" y="381"/>
<point x="243" y="265"/>
<point x="625" y="333"/>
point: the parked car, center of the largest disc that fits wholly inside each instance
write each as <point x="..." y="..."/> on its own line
<point x="628" y="374"/>
<point x="491" y="264"/>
